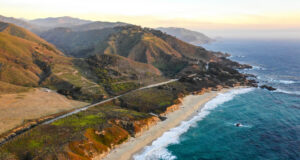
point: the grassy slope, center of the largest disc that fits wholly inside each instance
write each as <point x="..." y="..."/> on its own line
<point x="139" y="44"/>
<point x="28" y="61"/>
<point x="118" y="74"/>
<point x="19" y="64"/>
<point x="95" y="130"/>
<point x="64" y="137"/>
<point x="17" y="61"/>
<point x="78" y="44"/>
<point x="10" y="88"/>
<point x="98" y="129"/>
<point x="14" y="30"/>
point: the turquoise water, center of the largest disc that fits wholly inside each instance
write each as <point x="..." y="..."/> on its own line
<point x="270" y="120"/>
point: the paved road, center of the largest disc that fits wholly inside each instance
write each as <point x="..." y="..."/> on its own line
<point x="85" y="108"/>
<point x="104" y="101"/>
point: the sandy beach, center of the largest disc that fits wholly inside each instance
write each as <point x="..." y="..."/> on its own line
<point x="191" y="104"/>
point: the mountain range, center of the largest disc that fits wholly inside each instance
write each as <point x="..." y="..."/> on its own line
<point x="186" y="35"/>
<point x="92" y="62"/>
<point x="64" y="58"/>
<point x="26" y="60"/>
<point x="43" y="24"/>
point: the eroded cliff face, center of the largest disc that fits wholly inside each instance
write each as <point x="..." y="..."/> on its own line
<point x="100" y="143"/>
<point x="173" y="107"/>
<point x="96" y="143"/>
<point x="98" y="130"/>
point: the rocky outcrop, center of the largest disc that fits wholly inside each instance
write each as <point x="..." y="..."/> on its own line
<point x="100" y="143"/>
<point x="270" y="88"/>
<point x="173" y="107"/>
<point x="137" y="127"/>
<point x="97" y="143"/>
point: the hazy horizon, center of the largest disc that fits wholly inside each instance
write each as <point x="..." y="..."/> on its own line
<point x="217" y="18"/>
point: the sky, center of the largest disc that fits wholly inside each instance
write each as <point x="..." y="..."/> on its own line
<point x="235" y="18"/>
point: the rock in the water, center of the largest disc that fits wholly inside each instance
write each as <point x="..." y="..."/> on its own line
<point x="270" y="88"/>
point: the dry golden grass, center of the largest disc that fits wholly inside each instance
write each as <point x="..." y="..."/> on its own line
<point x="15" y="108"/>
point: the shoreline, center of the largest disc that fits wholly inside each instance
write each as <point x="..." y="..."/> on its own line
<point x="190" y="106"/>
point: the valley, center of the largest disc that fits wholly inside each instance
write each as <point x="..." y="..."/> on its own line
<point x="132" y="77"/>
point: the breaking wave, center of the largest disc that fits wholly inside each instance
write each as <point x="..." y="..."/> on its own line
<point x="158" y="148"/>
<point x="287" y="92"/>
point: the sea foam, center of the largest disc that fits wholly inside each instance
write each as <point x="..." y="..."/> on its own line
<point x="282" y="81"/>
<point x="158" y="148"/>
<point x="279" y="81"/>
<point x="288" y="92"/>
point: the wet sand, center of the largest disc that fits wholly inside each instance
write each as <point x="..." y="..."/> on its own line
<point x="190" y="105"/>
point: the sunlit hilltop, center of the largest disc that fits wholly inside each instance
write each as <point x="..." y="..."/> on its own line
<point x="216" y="17"/>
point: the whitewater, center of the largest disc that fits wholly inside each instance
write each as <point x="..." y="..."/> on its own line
<point x="158" y="150"/>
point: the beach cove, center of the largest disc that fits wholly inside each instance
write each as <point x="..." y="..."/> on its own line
<point x="190" y="107"/>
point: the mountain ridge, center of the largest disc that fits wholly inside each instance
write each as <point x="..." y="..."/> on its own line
<point x="186" y="35"/>
<point x="140" y="44"/>
<point x="27" y="60"/>
<point x="106" y="63"/>
<point x="53" y="22"/>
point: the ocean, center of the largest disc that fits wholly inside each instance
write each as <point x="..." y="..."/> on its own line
<point x="270" y="121"/>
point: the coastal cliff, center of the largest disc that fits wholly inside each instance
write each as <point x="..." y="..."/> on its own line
<point x="100" y="143"/>
<point x="117" y="65"/>
<point x="97" y="130"/>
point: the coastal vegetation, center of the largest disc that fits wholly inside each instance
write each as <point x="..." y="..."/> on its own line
<point x="99" y="129"/>
<point x="103" y="63"/>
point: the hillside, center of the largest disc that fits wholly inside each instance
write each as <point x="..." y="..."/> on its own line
<point x="106" y="62"/>
<point x="186" y="35"/>
<point x="165" y="52"/>
<point x="21" y="54"/>
<point x="27" y="60"/>
<point x="94" y="132"/>
<point x="117" y="74"/>
<point x="14" y="30"/>
<point x="77" y="44"/>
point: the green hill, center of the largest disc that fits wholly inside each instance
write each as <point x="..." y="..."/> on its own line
<point x="14" y="30"/>
<point x="165" y="52"/>
<point x="23" y="56"/>
<point x="77" y="44"/>
<point x="27" y="60"/>
<point x="117" y="74"/>
<point x="105" y="63"/>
